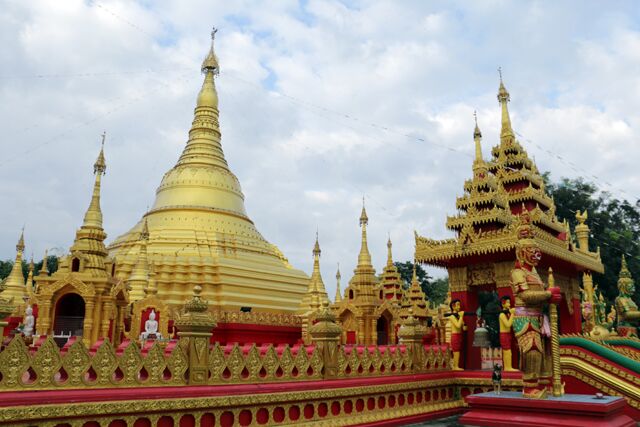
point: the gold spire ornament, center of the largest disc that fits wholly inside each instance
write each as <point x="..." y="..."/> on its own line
<point x="316" y="293"/>
<point x="338" y="291"/>
<point x="14" y="284"/>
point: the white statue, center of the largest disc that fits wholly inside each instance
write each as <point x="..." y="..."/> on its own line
<point x="29" y="322"/>
<point x="151" y="327"/>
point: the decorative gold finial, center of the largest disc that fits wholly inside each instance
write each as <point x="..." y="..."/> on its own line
<point x="100" y="166"/>
<point x="210" y="63"/>
<point x="364" y="219"/>
<point x="20" y="245"/>
<point x="500" y="73"/>
<point x="338" y="275"/>
<point x="316" y="247"/>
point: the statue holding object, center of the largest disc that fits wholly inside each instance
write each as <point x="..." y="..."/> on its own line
<point x="529" y="325"/>
<point x="456" y="321"/>
<point x="506" y="325"/>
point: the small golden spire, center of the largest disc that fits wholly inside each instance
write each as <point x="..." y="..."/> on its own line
<point x="316" y="247"/>
<point x="93" y="216"/>
<point x="477" y="137"/>
<point x="338" y="291"/>
<point x="30" y="278"/>
<point x="364" y="258"/>
<point x="45" y="268"/>
<point x="20" y="244"/>
<point x="389" y="254"/>
<point x="506" y="133"/>
<point x="14" y="282"/>
<point x="364" y="219"/>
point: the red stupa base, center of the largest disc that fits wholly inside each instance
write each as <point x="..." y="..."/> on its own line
<point x="510" y="409"/>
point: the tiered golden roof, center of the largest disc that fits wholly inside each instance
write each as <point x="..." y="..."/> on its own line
<point x="200" y="232"/>
<point x="498" y="192"/>
<point x="415" y="300"/>
<point x="390" y="279"/>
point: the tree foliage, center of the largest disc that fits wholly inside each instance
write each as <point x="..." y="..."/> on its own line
<point x="6" y="266"/>
<point x="434" y="289"/>
<point x="614" y="224"/>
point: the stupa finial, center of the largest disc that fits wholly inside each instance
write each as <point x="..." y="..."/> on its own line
<point x="506" y="133"/>
<point x="210" y="63"/>
<point x="93" y="216"/>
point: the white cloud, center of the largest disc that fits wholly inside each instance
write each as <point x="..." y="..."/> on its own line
<point x="414" y="68"/>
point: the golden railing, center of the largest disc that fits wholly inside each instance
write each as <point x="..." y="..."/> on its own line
<point x="47" y="367"/>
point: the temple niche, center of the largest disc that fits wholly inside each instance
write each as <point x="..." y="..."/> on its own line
<point x="481" y="255"/>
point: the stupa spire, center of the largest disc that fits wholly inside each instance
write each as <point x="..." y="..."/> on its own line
<point x="477" y="137"/>
<point x="14" y="285"/>
<point x="204" y="147"/>
<point x="139" y="279"/>
<point x="316" y="293"/>
<point x="338" y="291"/>
<point x="389" y="253"/>
<point x="93" y="216"/>
<point x="506" y="132"/>
<point x="364" y="258"/>
<point x="29" y="283"/>
<point x="44" y="270"/>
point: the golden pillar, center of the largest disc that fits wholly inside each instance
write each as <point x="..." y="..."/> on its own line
<point x="88" y="323"/>
<point x="195" y="324"/>
<point x="325" y="335"/>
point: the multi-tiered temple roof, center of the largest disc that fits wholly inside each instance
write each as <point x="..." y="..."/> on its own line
<point x="499" y="190"/>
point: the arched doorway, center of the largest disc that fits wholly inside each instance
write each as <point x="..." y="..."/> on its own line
<point x="382" y="328"/>
<point x="69" y="315"/>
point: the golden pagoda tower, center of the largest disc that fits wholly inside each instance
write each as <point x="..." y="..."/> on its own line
<point x="200" y="233"/>
<point x="357" y="311"/>
<point x="316" y="294"/>
<point x="390" y="280"/>
<point x="14" y="284"/>
<point x="139" y="278"/>
<point x="82" y="297"/>
<point x="415" y="299"/>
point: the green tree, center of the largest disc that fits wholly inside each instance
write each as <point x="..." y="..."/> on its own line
<point x="434" y="289"/>
<point x="614" y="224"/>
<point x="6" y="266"/>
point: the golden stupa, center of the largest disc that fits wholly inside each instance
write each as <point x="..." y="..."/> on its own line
<point x="198" y="231"/>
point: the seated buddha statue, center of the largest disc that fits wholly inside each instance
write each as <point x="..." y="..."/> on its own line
<point x="151" y="328"/>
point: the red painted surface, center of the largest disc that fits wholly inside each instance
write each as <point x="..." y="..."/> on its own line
<point x="14" y="322"/>
<point x="414" y="418"/>
<point x="226" y="333"/>
<point x="351" y="337"/>
<point x="503" y="411"/>
<point x="14" y="398"/>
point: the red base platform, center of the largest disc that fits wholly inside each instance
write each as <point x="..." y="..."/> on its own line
<point x="510" y="409"/>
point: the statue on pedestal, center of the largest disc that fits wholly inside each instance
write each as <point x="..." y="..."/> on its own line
<point x="151" y="328"/>
<point x="506" y="325"/>
<point x="528" y="324"/>
<point x="29" y="323"/>
<point x="456" y="321"/>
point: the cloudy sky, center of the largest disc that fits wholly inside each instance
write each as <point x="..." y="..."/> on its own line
<point x="321" y="102"/>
